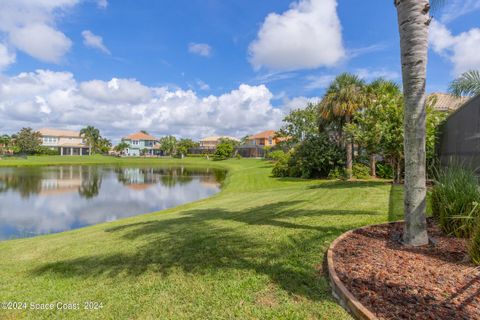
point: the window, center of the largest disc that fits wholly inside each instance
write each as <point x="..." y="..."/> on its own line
<point x="269" y="140"/>
<point x="135" y="142"/>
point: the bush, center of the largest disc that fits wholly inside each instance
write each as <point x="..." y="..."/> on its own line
<point x="384" y="171"/>
<point x="455" y="199"/>
<point x="275" y="155"/>
<point x="47" y="151"/>
<point x="361" y="171"/>
<point x="281" y="168"/>
<point x="314" y="157"/>
<point x="224" y="150"/>
<point x="338" y="173"/>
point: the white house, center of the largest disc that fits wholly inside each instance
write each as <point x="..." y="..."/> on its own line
<point x="67" y="142"/>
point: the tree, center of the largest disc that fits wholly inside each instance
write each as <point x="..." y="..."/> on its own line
<point x="468" y="84"/>
<point x="104" y="145"/>
<point x="121" y="147"/>
<point x="413" y="23"/>
<point x="300" y="123"/>
<point x="225" y="149"/>
<point x="28" y="141"/>
<point x="92" y="137"/>
<point x="5" y="141"/>
<point x="372" y="126"/>
<point x="343" y="98"/>
<point x="184" y="145"/>
<point x="168" y="145"/>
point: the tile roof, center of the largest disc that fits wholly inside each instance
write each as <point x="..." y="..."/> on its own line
<point x="140" y="136"/>
<point x="446" y="102"/>
<point x="59" y="133"/>
<point x="264" y="135"/>
<point x="216" y="138"/>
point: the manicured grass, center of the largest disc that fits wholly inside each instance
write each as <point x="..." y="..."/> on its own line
<point x="253" y="251"/>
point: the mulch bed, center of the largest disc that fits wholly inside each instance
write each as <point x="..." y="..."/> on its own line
<point x="398" y="282"/>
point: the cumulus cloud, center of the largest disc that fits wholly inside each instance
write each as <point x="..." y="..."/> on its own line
<point x="93" y="41"/>
<point x="30" y="26"/>
<point x="201" y="49"/>
<point x="102" y="4"/>
<point x="121" y="106"/>
<point x="307" y="36"/>
<point x="461" y="50"/>
<point x="6" y="57"/>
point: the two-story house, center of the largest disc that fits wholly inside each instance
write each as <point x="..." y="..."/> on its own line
<point x="66" y="142"/>
<point x="141" y="143"/>
<point x="264" y="139"/>
<point x="212" y="142"/>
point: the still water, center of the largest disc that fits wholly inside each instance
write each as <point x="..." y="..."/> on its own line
<point x="42" y="200"/>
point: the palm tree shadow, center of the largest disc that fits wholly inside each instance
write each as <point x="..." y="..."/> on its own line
<point x="195" y="242"/>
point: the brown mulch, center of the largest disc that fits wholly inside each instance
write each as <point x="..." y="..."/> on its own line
<point x="398" y="282"/>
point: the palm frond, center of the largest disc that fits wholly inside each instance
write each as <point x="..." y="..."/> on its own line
<point x="468" y="84"/>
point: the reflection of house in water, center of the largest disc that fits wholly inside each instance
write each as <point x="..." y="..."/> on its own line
<point x="52" y="181"/>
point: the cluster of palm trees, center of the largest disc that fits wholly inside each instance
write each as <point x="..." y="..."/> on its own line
<point x="95" y="141"/>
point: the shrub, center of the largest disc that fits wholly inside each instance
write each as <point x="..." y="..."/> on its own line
<point x="47" y="151"/>
<point x="194" y="155"/>
<point x="225" y="149"/>
<point x="338" y="173"/>
<point x="361" y="171"/>
<point x="276" y="155"/>
<point x="281" y="168"/>
<point x="384" y="171"/>
<point x="455" y="199"/>
<point x="315" y="157"/>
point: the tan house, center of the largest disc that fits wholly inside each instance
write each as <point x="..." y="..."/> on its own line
<point x="67" y="142"/>
<point x="212" y="142"/>
<point x="446" y="102"/>
<point x="264" y="139"/>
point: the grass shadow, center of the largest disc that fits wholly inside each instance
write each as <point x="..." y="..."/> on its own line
<point x="208" y="241"/>
<point x="339" y="184"/>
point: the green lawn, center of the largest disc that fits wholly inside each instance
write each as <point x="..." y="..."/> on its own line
<point x="254" y="251"/>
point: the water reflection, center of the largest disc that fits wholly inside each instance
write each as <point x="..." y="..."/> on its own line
<point x="41" y="200"/>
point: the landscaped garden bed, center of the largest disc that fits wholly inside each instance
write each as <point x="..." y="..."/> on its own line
<point x="397" y="282"/>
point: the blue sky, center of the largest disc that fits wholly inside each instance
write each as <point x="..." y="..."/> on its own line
<point x="200" y="67"/>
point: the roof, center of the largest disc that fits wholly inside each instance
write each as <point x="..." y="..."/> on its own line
<point x="216" y="138"/>
<point x="446" y="102"/>
<point x="264" y="135"/>
<point x="140" y="136"/>
<point x="59" y="133"/>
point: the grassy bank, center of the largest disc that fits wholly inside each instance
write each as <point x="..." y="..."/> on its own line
<point x="253" y="251"/>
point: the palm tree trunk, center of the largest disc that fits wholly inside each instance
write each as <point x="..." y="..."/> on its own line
<point x="349" y="147"/>
<point x="413" y="22"/>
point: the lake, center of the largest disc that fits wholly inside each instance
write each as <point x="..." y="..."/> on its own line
<point x="42" y="200"/>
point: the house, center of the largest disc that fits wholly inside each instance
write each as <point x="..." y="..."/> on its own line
<point x="446" y="102"/>
<point x="264" y="139"/>
<point x="212" y="142"/>
<point x="66" y="142"/>
<point x="141" y="143"/>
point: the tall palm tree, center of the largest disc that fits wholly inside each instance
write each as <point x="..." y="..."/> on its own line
<point x="413" y="23"/>
<point x="91" y="136"/>
<point x="468" y="84"/>
<point x="4" y="142"/>
<point x="343" y="98"/>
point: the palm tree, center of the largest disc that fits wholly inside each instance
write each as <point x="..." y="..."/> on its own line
<point x="468" y="84"/>
<point x="343" y="98"/>
<point x="413" y="23"/>
<point x="92" y="137"/>
<point x="4" y="142"/>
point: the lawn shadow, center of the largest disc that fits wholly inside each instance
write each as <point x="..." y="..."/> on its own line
<point x="195" y="242"/>
<point x="339" y="184"/>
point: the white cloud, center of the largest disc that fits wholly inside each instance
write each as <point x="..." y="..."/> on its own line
<point x="319" y="82"/>
<point x="119" y="106"/>
<point x="102" y="4"/>
<point x="369" y="75"/>
<point x="202" y="49"/>
<point x="462" y="50"/>
<point x="455" y="9"/>
<point x="6" y="57"/>
<point x="299" y="102"/>
<point x="202" y="85"/>
<point x="307" y="36"/>
<point x="93" y="41"/>
<point x="30" y="26"/>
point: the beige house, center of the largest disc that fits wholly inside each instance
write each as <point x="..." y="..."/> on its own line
<point x="212" y="142"/>
<point x="67" y="142"/>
